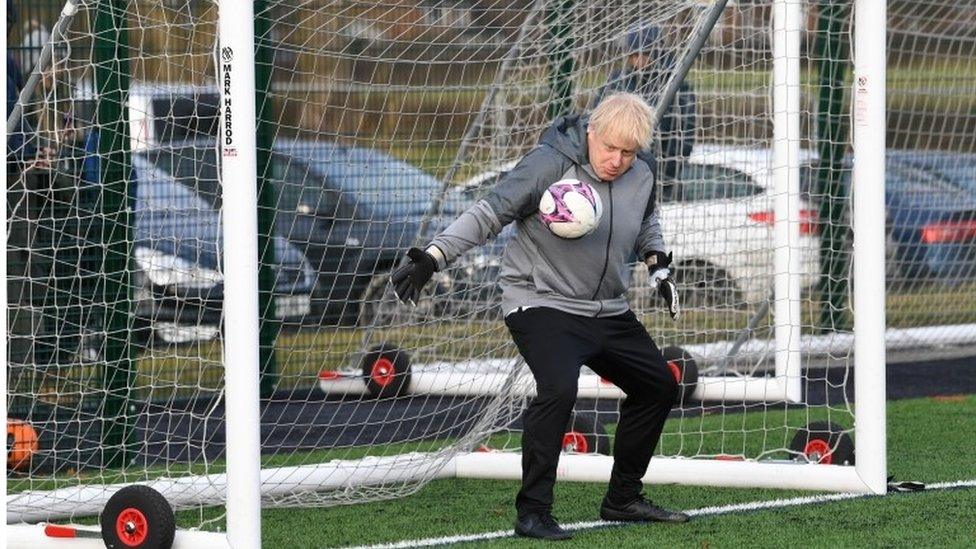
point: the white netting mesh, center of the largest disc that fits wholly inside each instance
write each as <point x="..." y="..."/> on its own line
<point x="381" y="123"/>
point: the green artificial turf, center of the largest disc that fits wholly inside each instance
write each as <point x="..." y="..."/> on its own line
<point x="928" y="440"/>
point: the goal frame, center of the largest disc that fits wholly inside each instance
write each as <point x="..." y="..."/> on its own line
<point x="869" y="474"/>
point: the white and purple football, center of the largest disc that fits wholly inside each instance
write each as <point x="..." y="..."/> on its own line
<point x="570" y="208"/>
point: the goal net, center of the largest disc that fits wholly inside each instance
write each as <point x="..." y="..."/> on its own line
<point x="378" y="124"/>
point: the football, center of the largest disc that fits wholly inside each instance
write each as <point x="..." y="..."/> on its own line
<point x="570" y="208"/>
<point x="21" y="444"/>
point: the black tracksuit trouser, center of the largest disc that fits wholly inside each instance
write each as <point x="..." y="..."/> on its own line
<point x="555" y="345"/>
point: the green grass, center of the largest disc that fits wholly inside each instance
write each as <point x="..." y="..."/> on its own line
<point x="931" y="305"/>
<point x="928" y="441"/>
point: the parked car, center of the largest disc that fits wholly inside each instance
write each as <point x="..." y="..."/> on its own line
<point x="930" y="200"/>
<point x="177" y="242"/>
<point x="349" y="211"/>
<point x="718" y="218"/>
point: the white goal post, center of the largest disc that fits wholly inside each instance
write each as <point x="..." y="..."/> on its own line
<point x="238" y="164"/>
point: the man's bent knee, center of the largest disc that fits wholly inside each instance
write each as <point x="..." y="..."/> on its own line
<point x="559" y="394"/>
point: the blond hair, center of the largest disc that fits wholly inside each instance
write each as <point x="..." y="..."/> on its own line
<point x="624" y="116"/>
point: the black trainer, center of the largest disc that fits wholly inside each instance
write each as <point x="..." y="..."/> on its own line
<point x="540" y="525"/>
<point x="639" y="510"/>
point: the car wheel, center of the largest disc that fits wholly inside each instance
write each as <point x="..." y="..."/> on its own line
<point x="702" y="285"/>
<point x="685" y="371"/>
<point x="380" y="306"/>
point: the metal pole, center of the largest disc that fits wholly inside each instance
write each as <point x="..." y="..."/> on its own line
<point x="240" y="230"/>
<point x="694" y="47"/>
<point x="833" y="130"/>
<point x="561" y="63"/>
<point x="267" y="199"/>
<point x="111" y="55"/>
<point x="786" y="179"/>
<point x="870" y="25"/>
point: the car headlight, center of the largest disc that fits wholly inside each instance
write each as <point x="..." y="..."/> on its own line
<point x="163" y="269"/>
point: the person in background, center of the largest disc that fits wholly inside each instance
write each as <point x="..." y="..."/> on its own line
<point x="22" y="152"/>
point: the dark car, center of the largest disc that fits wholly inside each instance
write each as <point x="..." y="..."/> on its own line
<point x="930" y="202"/>
<point x="960" y="168"/>
<point x="932" y="217"/>
<point x="179" y="280"/>
<point x="349" y="212"/>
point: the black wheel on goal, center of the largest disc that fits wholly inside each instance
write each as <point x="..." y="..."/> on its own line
<point x="138" y="516"/>
<point x="585" y="434"/>
<point x="386" y="371"/>
<point x="823" y="442"/>
<point x="685" y="372"/>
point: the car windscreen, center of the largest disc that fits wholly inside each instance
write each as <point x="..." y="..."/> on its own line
<point x="959" y="168"/>
<point x="390" y="188"/>
<point x="918" y="185"/>
<point x="917" y="181"/>
<point x="697" y="182"/>
<point x="304" y="191"/>
<point x="182" y="117"/>
<point x="366" y="181"/>
<point x="193" y="166"/>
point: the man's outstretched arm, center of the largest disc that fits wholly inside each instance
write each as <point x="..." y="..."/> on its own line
<point x="515" y="196"/>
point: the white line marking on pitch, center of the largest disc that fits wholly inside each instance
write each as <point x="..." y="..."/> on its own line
<point x="702" y="512"/>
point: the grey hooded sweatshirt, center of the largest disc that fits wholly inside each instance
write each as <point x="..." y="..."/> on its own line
<point x="587" y="276"/>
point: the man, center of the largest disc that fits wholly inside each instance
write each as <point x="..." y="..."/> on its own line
<point x="22" y="153"/>
<point x="647" y="71"/>
<point x="565" y="300"/>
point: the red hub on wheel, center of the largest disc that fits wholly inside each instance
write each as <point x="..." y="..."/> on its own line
<point x="675" y="370"/>
<point x="685" y="372"/>
<point x="137" y="517"/>
<point x="823" y="442"/>
<point x="386" y="371"/>
<point x="383" y="371"/>
<point x="132" y="527"/>
<point x="818" y="451"/>
<point x="575" y="441"/>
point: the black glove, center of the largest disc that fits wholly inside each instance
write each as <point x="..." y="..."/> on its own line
<point x="656" y="261"/>
<point x="410" y="278"/>
<point x="658" y="265"/>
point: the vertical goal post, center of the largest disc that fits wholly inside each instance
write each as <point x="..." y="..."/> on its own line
<point x="870" y="50"/>
<point x="238" y="163"/>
